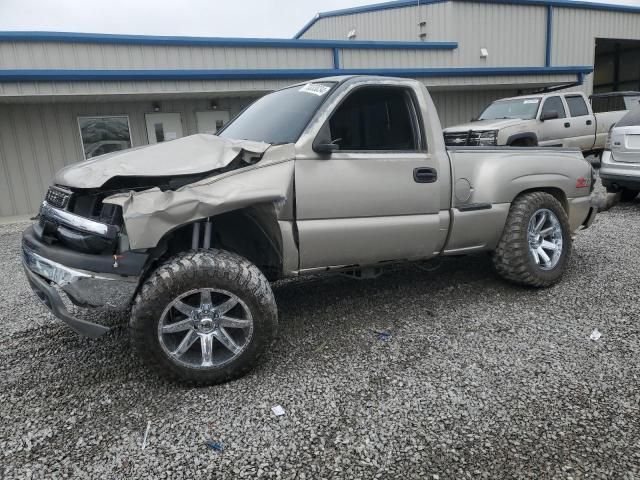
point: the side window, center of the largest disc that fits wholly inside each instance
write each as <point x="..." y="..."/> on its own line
<point x="577" y="105"/>
<point x="104" y="134"/>
<point x="376" y="118"/>
<point x="608" y="103"/>
<point x="554" y="103"/>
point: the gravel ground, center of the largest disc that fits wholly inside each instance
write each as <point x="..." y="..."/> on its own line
<point x="479" y="379"/>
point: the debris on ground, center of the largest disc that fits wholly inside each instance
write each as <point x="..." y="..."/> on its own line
<point x="595" y="335"/>
<point x="320" y="347"/>
<point x="278" y="410"/>
<point x="215" y="446"/>
<point x="383" y="335"/>
<point x="146" y="436"/>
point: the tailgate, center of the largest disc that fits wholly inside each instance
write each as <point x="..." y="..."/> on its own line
<point x="625" y="144"/>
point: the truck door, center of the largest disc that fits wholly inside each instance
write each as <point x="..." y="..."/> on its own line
<point x="376" y="198"/>
<point x="554" y="130"/>
<point x="583" y="126"/>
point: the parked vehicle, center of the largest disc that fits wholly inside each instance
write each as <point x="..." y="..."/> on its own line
<point x="338" y="174"/>
<point x="620" y="163"/>
<point x="614" y="101"/>
<point x="546" y="120"/>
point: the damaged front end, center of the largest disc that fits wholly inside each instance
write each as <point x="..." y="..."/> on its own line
<point x="96" y="234"/>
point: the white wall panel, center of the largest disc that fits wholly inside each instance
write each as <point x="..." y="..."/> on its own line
<point x="37" y="139"/>
<point x="575" y="33"/>
<point x="123" y="88"/>
<point x="59" y="55"/>
<point x="515" y="35"/>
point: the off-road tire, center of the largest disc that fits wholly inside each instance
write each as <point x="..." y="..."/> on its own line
<point x="203" y="269"/>
<point x="628" y="195"/>
<point x="512" y="259"/>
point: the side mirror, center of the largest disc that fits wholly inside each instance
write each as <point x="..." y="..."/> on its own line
<point x="550" y="115"/>
<point x="474" y="119"/>
<point x="326" y="148"/>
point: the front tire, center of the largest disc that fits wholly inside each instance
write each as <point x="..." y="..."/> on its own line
<point x="535" y="246"/>
<point x="204" y="317"/>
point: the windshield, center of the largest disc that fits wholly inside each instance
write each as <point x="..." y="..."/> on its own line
<point x="521" y="108"/>
<point x="279" y="117"/>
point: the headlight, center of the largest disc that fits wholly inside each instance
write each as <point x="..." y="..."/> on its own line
<point x="488" y="138"/>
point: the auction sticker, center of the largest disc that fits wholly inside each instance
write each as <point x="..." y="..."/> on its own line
<point x="315" y="88"/>
<point x="534" y="100"/>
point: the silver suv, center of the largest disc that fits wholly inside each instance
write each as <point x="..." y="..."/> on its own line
<point x="620" y="171"/>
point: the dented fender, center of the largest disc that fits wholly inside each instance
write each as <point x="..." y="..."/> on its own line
<point x="150" y="214"/>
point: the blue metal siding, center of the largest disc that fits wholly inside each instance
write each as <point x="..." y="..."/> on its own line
<point x="548" y="54"/>
<point x="118" y="75"/>
<point x="100" y="38"/>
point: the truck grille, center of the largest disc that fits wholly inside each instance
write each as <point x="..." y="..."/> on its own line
<point x="462" y="139"/>
<point x="58" y="197"/>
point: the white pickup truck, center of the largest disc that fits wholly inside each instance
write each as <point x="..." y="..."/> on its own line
<point x="546" y="120"/>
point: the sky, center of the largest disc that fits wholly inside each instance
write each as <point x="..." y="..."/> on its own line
<point x="209" y="18"/>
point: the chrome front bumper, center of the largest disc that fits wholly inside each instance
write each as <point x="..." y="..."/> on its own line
<point x="63" y="217"/>
<point x="83" y="288"/>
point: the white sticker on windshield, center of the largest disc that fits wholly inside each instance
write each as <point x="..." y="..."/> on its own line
<point x="534" y="100"/>
<point x="315" y="88"/>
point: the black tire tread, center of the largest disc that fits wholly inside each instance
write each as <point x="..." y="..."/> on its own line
<point x="511" y="257"/>
<point x="170" y="276"/>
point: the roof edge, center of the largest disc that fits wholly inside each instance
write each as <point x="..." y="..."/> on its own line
<point x="54" y="75"/>
<point x="74" y="37"/>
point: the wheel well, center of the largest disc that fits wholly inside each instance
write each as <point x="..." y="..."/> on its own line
<point x="557" y="193"/>
<point x="523" y="142"/>
<point x="251" y="232"/>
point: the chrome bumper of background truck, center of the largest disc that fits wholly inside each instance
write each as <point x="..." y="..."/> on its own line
<point x="83" y="287"/>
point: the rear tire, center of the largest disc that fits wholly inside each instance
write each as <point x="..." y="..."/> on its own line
<point x="628" y="195"/>
<point x="204" y="317"/>
<point x="521" y="251"/>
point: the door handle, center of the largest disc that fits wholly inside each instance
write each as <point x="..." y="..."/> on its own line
<point x="567" y="125"/>
<point x="425" y="175"/>
<point x="589" y="122"/>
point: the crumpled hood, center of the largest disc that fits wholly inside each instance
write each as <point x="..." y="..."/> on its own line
<point x="480" y="125"/>
<point x="185" y="156"/>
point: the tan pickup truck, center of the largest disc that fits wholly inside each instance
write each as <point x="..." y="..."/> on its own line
<point x="557" y="119"/>
<point x="337" y="174"/>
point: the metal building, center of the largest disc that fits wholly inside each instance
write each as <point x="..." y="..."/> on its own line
<point x="65" y="97"/>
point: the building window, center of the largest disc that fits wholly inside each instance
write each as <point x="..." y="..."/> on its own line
<point x="105" y="134"/>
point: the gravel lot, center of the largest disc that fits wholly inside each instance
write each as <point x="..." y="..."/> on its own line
<point x="479" y="379"/>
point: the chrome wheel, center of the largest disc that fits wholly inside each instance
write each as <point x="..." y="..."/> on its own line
<point x="545" y="238"/>
<point x="205" y="328"/>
